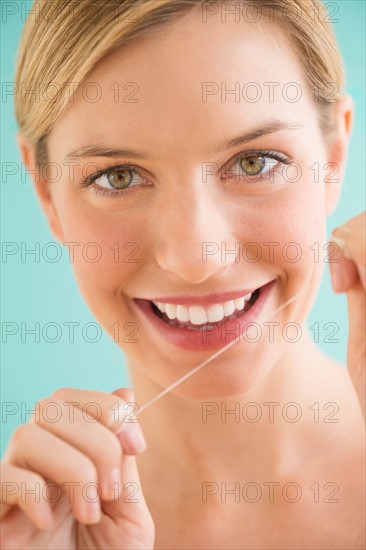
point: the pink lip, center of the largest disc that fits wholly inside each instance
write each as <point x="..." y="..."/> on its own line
<point x="197" y="340"/>
<point x="204" y="300"/>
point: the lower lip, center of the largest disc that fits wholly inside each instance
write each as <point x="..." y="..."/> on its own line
<point x="213" y="339"/>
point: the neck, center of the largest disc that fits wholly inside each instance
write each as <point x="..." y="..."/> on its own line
<point x="248" y="432"/>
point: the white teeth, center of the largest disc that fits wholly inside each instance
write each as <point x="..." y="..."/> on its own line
<point x="215" y="313"/>
<point x="182" y="314"/>
<point x="239" y="303"/>
<point x="229" y="308"/>
<point x="171" y="311"/>
<point x="199" y="315"/>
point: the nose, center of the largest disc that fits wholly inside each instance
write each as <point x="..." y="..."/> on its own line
<point x="196" y="239"/>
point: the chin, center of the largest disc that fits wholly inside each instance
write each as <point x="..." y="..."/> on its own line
<point x="226" y="377"/>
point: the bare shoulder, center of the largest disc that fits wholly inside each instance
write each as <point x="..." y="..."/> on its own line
<point x="333" y="461"/>
<point x="340" y="436"/>
<point x="335" y="427"/>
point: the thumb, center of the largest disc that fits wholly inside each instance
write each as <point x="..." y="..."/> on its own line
<point x="130" y="433"/>
<point x="343" y="271"/>
<point x="126" y="394"/>
<point x="351" y="238"/>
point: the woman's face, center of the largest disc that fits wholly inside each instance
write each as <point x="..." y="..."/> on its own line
<point x="164" y="228"/>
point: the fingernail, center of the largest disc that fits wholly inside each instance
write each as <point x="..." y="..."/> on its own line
<point x="341" y="240"/>
<point x="133" y="437"/>
<point x="337" y="278"/>
<point x="342" y="245"/>
<point x="119" y="414"/>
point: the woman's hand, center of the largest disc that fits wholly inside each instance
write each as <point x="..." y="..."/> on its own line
<point x="349" y="275"/>
<point x="53" y="465"/>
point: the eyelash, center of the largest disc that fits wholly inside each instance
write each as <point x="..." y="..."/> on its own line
<point x="267" y="153"/>
<point x="110" y="192"/>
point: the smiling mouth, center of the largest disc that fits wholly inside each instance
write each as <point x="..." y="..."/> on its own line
<point x="240" y="309"/>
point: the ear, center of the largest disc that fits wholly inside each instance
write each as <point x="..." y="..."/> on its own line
<point x="41" y="186"/>
<point x="338" y="152"/>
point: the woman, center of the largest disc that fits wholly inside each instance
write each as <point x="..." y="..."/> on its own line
<point x="179" y="138"/>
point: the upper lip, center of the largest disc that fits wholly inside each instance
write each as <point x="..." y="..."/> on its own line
<point x="205" y="300"/>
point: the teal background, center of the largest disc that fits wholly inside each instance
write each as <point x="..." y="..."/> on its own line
<point x="46" y="292"/>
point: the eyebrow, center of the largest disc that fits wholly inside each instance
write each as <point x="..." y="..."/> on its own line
<point x="97" y="151"/>
<point x="269" y="127"/>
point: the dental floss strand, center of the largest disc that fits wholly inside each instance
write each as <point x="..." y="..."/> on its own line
<point x="212" y="357"/>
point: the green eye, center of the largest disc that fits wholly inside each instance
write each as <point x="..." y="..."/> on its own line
<point x="120" y="179"/>
<point x="252" y="166"/>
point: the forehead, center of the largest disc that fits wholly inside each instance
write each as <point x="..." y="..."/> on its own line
<point x="187" y="81"/>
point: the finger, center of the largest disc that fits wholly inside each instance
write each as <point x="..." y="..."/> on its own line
<point x="23" y="488"/>
<point x="131" y="439"/>
<point x="36" y="449"/>
<point x="87" y="435"/>
<point x="110" y="410"/>
<point x="351" y="237"/>
<point x="131" y="505"/>
<point x="343" y="272"/>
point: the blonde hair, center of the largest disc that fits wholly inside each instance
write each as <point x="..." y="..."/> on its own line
<point x="63" y="40"/>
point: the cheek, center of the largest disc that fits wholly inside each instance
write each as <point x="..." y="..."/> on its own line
<point x="105" y="250"/>
<point x="288" y="228"/>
